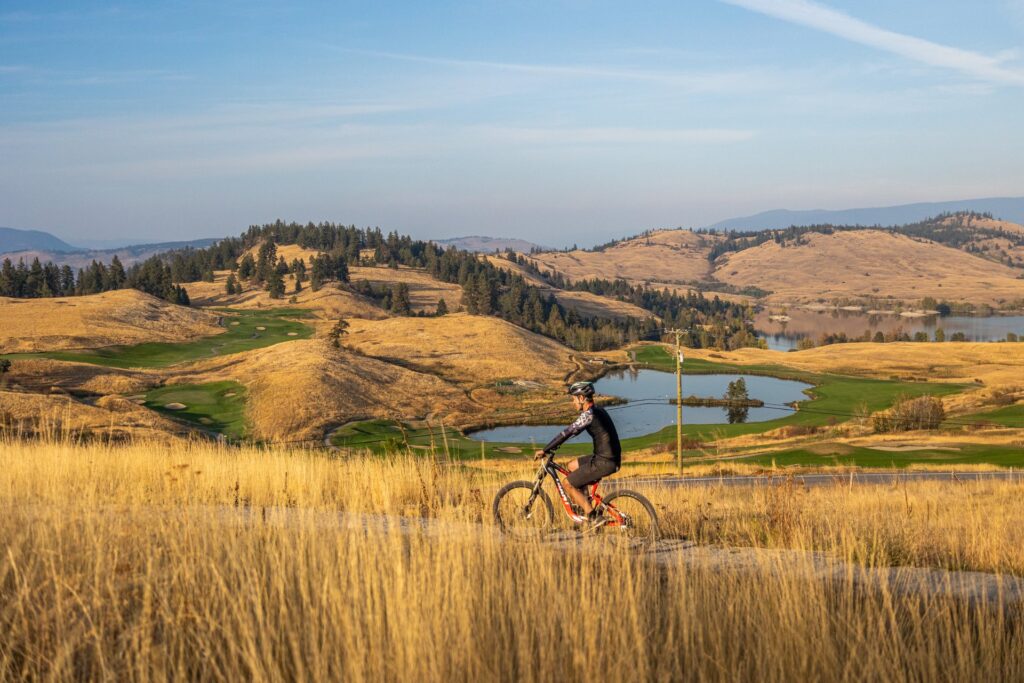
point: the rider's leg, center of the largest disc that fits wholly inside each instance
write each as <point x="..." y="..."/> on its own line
<point x="576" y="494"/>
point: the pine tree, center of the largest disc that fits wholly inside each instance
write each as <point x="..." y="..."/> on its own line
<point x="247" y="267"/>
<point x="400" y="303"/>
<point x="275" y="285"/>
<point x="232" y="285"/>
<point x="116" y="277"/>
<point x="340" y="328"/>
<point x="442" y="307"/>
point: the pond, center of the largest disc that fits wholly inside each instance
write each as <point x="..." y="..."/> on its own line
<point x="783" y="336"/>
<point x="648" y="417"/>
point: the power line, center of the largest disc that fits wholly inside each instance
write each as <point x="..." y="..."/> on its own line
<point x="354" y="441"/>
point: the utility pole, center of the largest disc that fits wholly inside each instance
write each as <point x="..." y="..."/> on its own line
<point x="679" y="398"/>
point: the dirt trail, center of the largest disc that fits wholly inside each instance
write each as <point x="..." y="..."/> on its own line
<point x="972" y="587"/>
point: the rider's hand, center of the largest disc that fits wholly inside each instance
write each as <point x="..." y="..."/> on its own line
<point x="538" y="455"/>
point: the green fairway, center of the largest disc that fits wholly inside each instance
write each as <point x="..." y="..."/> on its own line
<point x="388" y="436"/>
<point x="1009" y="416"/>
<point x="216" y="406"/>
<point x="244" y="330"/>
<point x="834" y="399"/>
<point x="966" y="454"/>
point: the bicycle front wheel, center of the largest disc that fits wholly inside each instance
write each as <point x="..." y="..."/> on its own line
<point x="518" y="512"/>
<point x="633" y="518"/>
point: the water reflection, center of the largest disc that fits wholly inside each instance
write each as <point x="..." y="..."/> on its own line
<point x="653" y="415"/>
<point x="782" y="334"/>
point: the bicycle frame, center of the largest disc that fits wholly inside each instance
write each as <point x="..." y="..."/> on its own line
<point x="549" y="468"/>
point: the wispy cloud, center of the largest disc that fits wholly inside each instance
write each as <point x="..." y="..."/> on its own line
<point x="828" y="20"/>
<point x="692" y="80"/>
<point x="618" y="136"/>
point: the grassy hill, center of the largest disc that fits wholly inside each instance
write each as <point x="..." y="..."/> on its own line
<point x="585" y="304"/>
<point x="665" y="255"/>
<point x="868" y="263"/>
<point x="124" y="316"/>
<point x="13" y="240"/>
<point x="969" y="258"/>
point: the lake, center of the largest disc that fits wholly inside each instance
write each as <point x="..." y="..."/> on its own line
<point x="783" y="336"/>
<point x="638" y="420"/>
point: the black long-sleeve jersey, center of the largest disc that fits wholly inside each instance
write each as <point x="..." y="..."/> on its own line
<point x="596" y="422"/>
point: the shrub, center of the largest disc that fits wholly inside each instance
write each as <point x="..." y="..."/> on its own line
<point x="791" y="431"/>
<point x="922" y="412"/>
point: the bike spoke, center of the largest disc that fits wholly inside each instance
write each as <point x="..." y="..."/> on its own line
<point x="632" y="524"/>
<point x="520" y="513"/>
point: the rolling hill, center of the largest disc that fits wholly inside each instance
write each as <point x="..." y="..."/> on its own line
<point x="13" y="239"/>
<point x="868" y="263"/>
<point x="80" y="258"/>
<point x="124" y="316"/>
<point x="664" y="256"/>
<point x="959" y="258"/>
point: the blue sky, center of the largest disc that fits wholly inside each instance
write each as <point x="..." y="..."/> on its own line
<point x="559" y="122"/>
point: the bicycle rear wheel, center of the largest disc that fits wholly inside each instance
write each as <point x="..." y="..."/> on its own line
<point x="517" y="515"/>
<point x="634" y="519"/>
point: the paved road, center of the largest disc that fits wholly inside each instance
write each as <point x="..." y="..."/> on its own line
<point x="825" y="479"/>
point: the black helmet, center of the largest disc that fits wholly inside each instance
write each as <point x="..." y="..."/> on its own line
<point x="582" y="389"/>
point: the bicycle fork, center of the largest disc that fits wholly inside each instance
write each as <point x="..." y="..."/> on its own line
<point x="528" y="508"/>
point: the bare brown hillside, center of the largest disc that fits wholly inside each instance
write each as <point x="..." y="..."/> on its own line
<point x="124" y="316"/>
<point x="424" y="290"/>
<point x="328" y="303"/>
<point x="584" y="303"/>
<point x="299" y="389"/>
<point x="464" y="348"/>
<point x="111" y="417"/>
<point x="993" y="247"/>
<point x="869" y="263"/>
<point x="665" y="255"/>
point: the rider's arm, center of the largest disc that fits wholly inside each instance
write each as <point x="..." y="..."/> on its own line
<point x="577" y="427"/>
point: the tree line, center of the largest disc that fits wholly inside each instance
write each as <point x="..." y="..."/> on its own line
<point x="950" y="229"/>
<point x="487" y="289"/>
<point x="38" y="280"/>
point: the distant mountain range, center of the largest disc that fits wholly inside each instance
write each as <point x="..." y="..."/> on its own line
<point x="483" y="244"/>
<point x="1007" y="208"/>
<point x="12" y="239"/>
<point x="29" y="244"/>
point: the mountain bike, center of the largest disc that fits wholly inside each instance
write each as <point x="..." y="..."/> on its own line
<point x="523" y="508"/>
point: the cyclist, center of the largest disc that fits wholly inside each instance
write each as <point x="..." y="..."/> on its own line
<point x="606" y="458"/>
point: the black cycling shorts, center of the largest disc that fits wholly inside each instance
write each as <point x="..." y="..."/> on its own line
<point x="592" y="468"/>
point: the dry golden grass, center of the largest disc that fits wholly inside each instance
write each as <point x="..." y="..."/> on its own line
<point x="995" y="364"/>
<point x="683" y="291"/>
<point x="329" y="303"/>
<point x="593" y="305"/>
<point x="584" y="303"/>
<point x="994" y="248"/>
<point x="299" y="389"/>
<point x="667" y="255"/>
<point x="987" y="223"/>
<point x="195" y="562"/>
<point x="464" y="348"/>
<point x="869" y="263"/>
<point x="289" y="252"/>
<point x="125" y="316"/>
<point x="43" y="374"/>
<point x="424" y="290"/>
<point x="111" y="417"/>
